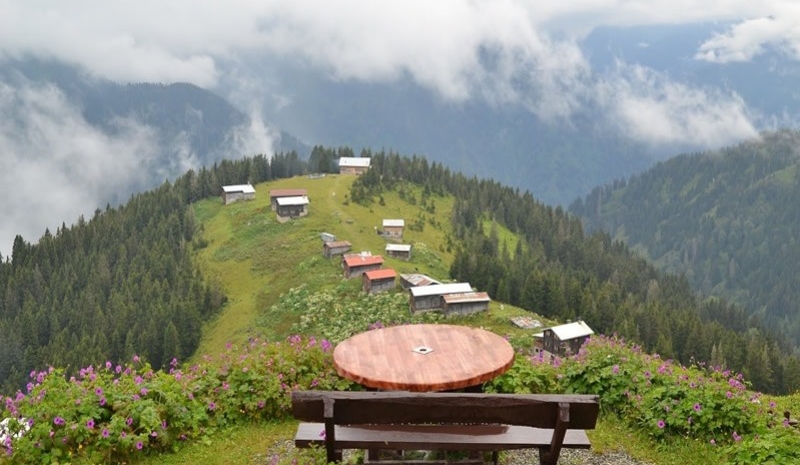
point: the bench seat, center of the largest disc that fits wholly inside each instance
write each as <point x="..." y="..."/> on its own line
<point x="467" y="422"/>
<point x="443" y="437"/>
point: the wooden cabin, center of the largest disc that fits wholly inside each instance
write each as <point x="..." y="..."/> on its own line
<point x="355" y="265"/>
<point x="393" y="229"/>
<point x="276" y="194"/>
<point x="292" y="207"/>
<point x="400" y="251"/>
<point x="416" y="279"/>
<point x="354" y="165"/>
<point x="237" y="192"/>
<point x="566" y="339"/>
<point x="331" y="249"/>
<point x="427" y="298"/>
<point x="375" y="281"/>
<point x="465" y="303"/>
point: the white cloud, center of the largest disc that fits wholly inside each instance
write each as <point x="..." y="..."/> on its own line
<point x="54" y="166"/>
<point x="749" y="38"/>
<point x="438" y="44"/>
<point x="649" y="107"/>
<point x="504" y="51"/>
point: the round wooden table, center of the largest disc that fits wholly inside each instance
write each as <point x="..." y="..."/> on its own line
<point x="423" y="357"/>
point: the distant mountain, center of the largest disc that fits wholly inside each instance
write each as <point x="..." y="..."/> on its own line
<point x="194" y="127"/>
<point x="557" y="161"/>
<point x="728" y="220"/>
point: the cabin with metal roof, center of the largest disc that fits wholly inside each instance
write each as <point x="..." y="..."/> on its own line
<point x="292" y="207"/>
<point x="354" y="165"/>
<point x="566" y="339"/>
<point x="400" y="251"/>
<point x="354" y="265"/>
<point x="465" y="303"/>
<point x="375" y="281"/>
<point x="409" y="280"/>
<point x="393" y="228"/>
<point x="428" y="298"/>
<point x="331" y="249"/>
<point x="276" y="194"/>
<point x="234" y="193"/>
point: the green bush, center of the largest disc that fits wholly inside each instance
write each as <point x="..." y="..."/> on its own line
<point x="111" y="413"/>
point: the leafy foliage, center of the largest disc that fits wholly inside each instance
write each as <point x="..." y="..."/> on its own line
<point x="111" y="413"/>
<point x="353" y="312"/>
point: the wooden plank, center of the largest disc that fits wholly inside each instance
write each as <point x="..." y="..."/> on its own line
<point x="443" y="437"/>
<point x="535" y="410"/>
<point x="460" y="356"/>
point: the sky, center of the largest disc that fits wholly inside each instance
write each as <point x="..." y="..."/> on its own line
<point x="437" y="44"/>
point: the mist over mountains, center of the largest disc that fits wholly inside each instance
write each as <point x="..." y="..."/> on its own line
<point x="554" y="107"/>
<point x="72" y="143"/>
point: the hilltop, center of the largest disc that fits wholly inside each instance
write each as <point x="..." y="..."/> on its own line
<point x="257" y="259"/>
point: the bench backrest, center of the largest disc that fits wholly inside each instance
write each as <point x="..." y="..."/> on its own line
<point x="357" y="407"/>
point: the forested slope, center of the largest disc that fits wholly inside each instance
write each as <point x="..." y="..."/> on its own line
<point x="727" y="220"/>
<point x="126" y="281"/>
<point x="118" y="284"/>
<point x="558" y="271"/>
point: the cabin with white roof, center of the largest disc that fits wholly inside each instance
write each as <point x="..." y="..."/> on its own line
<point x="354" y="165"/>
<point x="292" y="207"/>
<point x="237" y="192"/>
<point x="566" y="339"/>
<point x="276" y="194"/>
<point x="393" y="228"/>
<point x="401" y="251"/>
<point x="427" y="298"/>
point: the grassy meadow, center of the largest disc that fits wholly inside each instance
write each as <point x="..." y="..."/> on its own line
<point x="258" y="259"/>
<point x="280" y="286"/>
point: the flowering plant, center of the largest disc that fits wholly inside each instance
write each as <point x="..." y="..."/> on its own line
<point x="109" y="413"/>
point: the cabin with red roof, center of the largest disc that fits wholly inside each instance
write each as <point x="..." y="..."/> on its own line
<point x="355" y="265"/>
<point x="375" y="281"/>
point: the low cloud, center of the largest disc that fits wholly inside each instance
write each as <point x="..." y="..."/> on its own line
<point x="255" y="138"/>
<point x="56" y="167"/>
<point x="750" y="38"/>
<point x="649" y="107"/>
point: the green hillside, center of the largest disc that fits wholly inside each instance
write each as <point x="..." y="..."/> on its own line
<point x="268" y="298"/>
<point x="727" y="220"/>
<point x="256" y="259"/>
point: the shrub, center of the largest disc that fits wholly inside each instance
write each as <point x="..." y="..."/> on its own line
<point x="110" y="413"/>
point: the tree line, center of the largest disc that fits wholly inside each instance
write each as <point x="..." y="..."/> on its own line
<point x="560" y="272"/>
<point x="120" y="283"/>
<point x="726" y="219"/>
<point x="123" y="282"/>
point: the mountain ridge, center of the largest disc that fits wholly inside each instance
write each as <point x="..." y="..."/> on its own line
<point x="724" y="218"/>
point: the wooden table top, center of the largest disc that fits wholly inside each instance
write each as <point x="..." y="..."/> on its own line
<point x="423" y="357"/>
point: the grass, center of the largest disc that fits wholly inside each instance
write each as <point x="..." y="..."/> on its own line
<point x="240" y="445"/>
<point x="256" y="259"/>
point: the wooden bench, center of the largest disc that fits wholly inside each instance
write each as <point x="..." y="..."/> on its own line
<point x="400" y="420"/>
